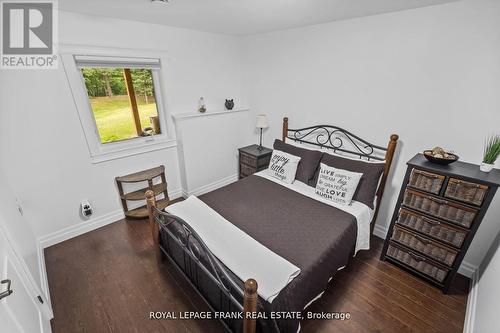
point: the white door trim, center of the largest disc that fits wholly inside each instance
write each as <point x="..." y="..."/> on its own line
<point x="27" y="279"/>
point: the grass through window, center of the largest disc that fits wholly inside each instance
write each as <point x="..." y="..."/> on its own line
<point x="112" y="107"/>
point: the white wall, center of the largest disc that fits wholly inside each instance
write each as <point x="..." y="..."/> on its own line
<point x="432" y="75"/>
<point x="208" y="148"/>
<point x="23" y="243"/>
<point x="18" y="229"/>
<point x="488" y="293"/>
<point x="42" y="145"/>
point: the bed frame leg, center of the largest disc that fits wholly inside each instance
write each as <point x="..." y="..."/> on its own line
<point x="250" y="298"/>
<point x="285" y="129"/>
<point x="389" y="155"/>
<point x="155" y="228"/>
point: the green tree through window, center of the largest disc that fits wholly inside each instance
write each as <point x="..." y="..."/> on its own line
<point x="111" y="107"/>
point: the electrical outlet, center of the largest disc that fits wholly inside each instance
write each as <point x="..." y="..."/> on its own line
<point x="86" y="209"/>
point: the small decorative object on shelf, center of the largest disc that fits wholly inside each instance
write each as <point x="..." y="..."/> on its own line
<point x="253" y="159"/>
<point x="439" y="156"/>
<point x="155" y="124"/>
<point x="201" y="105"/>
<point x="229" y="104"/>
<point x="491" y="153"/>
<point x="439" y="210"/>
<point x="261" y="124"/>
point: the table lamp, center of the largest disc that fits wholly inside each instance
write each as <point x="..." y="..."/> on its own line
<point x="261" y="124"/>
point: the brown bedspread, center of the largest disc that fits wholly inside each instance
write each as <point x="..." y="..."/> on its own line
<point x="315" y="237"/>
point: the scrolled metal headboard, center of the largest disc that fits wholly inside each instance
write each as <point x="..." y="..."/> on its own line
<point x="338" y="139"/>
<point x="335" y="138"/>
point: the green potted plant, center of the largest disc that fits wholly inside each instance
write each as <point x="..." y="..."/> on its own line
<point x="491" y="153"/>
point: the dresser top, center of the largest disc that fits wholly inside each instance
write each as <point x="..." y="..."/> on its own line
<point x="459" y="169"/>
<point x="254" y="150"/>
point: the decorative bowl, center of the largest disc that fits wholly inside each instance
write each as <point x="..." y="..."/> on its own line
<point x="437" y="160"/>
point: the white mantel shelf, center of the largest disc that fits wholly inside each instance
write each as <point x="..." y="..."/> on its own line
<point x="181" y="116"/>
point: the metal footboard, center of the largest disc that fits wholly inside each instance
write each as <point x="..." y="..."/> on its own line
<point x="235" y="302"/>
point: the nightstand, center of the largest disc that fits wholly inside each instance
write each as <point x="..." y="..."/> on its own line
<point x="253" y="160"/>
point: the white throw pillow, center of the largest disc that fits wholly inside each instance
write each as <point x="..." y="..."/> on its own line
<point x="337" y="185"/>
<point x="283" y="166"/>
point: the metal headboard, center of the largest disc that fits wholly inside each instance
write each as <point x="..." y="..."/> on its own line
<point x="336" y="138"/>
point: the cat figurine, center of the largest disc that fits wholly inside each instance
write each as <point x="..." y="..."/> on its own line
<point x="229" y="104"/>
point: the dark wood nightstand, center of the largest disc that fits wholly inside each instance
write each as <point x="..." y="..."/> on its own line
<point x="437" y="215"/>
<point x="253" y="160"/>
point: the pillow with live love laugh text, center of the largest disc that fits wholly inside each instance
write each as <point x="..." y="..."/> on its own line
<point x="337" y="185"/>
<point x="283" y="166"/>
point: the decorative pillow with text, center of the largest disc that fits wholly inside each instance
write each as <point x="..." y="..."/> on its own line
<point x="337" y="185"/>
<point x="283" y="166"/>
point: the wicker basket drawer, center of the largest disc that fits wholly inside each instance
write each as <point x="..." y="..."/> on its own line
<point x="246" y="170"/>
<point x="424" y="245"/>
<point x="419" y="263"/>
<point x="455" y="213"/>
<point x="426" y="181"/>
<point x="465" y="191"/>
<point x="248" y="160"/>
<point x="436" y="229"/>
<point x="263" y="162"/>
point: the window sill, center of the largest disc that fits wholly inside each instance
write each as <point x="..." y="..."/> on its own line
<point x="139" y="148"/>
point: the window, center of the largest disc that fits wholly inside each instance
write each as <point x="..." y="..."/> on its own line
<point x="121" y="97"/>
<point x="119" y="100"/>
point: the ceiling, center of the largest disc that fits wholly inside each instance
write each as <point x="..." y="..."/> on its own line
<point x="240" y="17"/>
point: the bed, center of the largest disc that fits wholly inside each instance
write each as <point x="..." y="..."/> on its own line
<point x="316" y="237"/>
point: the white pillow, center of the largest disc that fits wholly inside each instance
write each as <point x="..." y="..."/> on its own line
<point x="337" y="185"/>
<point x="283" y="166"/>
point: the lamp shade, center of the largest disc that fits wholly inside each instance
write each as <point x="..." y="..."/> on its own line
<point x="262" y="121"/>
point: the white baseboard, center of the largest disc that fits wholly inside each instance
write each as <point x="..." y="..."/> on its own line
<point x="379" y="231"/>
<point x="43" y="274"/>
<point x="80" y="228"/>
<point x="68" y="233"/>
<point x="175" y="194"/>
<point x="87" y="226"/>
<point x="212" y="186"/>
<point x="32" y="288"/>
<point x="103" y="220"/>
<point x="467" y="269"/>
<point x="470" y="312"/>
<point x="77" y="230"/>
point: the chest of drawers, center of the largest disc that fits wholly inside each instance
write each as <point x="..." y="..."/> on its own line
<point x="439" y="210"/>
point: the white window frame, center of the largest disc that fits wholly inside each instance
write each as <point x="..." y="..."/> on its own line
<point x="100" y="152"/>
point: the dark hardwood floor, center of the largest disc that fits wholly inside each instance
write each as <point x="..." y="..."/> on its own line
<point x="108" y="281"/>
